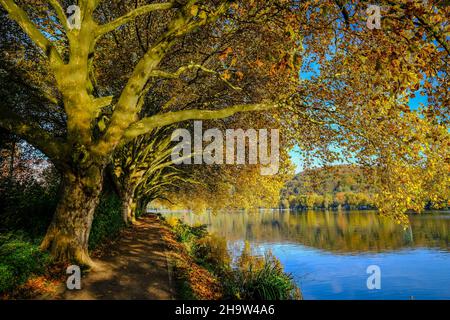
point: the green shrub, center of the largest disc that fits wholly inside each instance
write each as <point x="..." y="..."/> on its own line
<point x="19" y="259"/>
<point x="251" y="277"/>
<point x="26" y="206"/>
<point x="186" y="233"/>
<point x="262" y="280"/>
<point x="107" y="219"/>
<point x="6" y="278"/>
<point x="268" y="283"/>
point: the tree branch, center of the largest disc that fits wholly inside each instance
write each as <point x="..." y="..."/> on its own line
<point x="344" y="12"/>
<point x="145" y="125"/>
<point x="88" y="6"/>
<point x="60" y="13"/>
<point x="422" y="22"/>
<point x="35" y="135"/>
<point x="441" y="40"/>
<point x="127" y="107"/>
<point x="177" y="74"/>
<point x="20" y="16"/>
<point x="132" y="15"/>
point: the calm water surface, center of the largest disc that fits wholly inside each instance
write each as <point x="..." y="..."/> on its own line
<point x="328" y="253"/>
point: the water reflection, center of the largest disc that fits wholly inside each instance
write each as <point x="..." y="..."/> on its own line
<point x="328" y="252"/>
<point x="343" y="232"/>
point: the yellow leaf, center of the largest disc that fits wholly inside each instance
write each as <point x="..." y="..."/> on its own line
<point x="194" y="10"/>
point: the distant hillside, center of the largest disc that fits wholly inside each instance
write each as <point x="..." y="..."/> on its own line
<point x="339" y="186"/>
<point x="341" y="178"/>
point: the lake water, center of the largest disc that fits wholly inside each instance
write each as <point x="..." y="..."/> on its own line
<point x="328" y="253"/>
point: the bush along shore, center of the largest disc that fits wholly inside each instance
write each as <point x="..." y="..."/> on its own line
<point x="204" y="268"/>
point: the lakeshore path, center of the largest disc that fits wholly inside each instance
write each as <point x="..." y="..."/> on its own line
<point x="133" y="267"/>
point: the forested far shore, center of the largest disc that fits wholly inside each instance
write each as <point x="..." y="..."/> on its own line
<point x="346" y="187"/>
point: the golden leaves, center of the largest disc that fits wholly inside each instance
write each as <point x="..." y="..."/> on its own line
<point x="224" y="55"/>
<point x="194" y="10"/>
<point x="226" y="75"/>
<point x="240" y="75"/>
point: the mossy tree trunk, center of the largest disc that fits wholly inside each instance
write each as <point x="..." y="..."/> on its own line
<point x="67" y="237"/>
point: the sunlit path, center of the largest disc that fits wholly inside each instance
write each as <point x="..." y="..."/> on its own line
<point x="135" y="267"/>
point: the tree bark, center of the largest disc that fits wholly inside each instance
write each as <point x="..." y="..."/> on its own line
<point x="67" y="237"/>
<point x="128" y="207"/>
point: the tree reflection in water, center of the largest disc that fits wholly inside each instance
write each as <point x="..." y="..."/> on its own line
<point x="337" y="232"/>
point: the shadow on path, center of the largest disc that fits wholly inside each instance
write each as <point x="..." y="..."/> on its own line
<point x="134" y="267"/>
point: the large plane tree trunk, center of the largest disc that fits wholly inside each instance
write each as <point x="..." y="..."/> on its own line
<point x="67" y="237"/>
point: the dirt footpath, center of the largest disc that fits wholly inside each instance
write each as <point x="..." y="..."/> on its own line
<point x="134" y="267"/>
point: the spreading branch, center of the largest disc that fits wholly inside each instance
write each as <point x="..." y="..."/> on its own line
<point x="160" y="120"/>
<point x="60" y="13"/>
<point x="344" y="12"/>
<point x="126" y="109"/>
<point x="132" y="15"/>
<point x="435" y="33"/>
<point x="181" y="70"/>
<point x="20" y="16"/>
